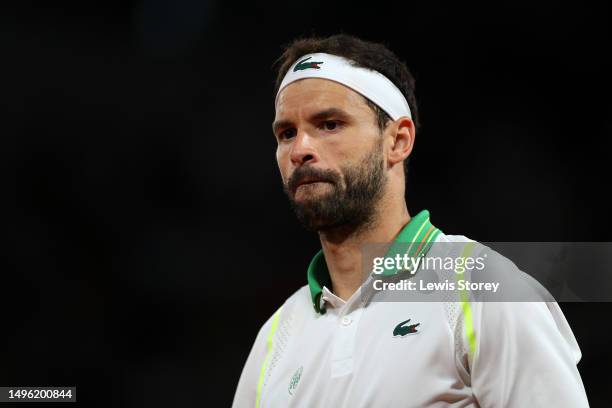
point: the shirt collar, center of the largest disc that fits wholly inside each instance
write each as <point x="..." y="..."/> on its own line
<point x="418" y="236"/>
<point x="327" y="296"/>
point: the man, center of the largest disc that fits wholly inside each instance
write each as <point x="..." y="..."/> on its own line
<point x="345" y="124"/>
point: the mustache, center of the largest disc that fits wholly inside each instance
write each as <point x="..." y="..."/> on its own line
<point x="303" y="173"/>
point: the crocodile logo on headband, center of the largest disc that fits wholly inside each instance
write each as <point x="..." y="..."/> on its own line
<point x="302" y="65"/>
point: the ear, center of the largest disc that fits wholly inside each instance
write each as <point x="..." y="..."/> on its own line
<point x="402" y="133"/>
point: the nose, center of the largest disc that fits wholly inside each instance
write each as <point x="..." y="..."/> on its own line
<point x="302" y="150"/>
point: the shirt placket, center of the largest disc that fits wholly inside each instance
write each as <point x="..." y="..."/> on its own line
<point x="344" y="340"/>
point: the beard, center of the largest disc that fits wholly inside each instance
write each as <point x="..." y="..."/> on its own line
<point x="351" y="203"/>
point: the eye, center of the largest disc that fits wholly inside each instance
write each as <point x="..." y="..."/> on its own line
<point x="330" y="125"/>
<point x="286" y="134"/>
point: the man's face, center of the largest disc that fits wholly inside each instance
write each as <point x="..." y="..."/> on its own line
<point x="330" y="154"/>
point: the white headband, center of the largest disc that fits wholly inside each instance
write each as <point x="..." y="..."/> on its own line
<point x="369" y="83"/>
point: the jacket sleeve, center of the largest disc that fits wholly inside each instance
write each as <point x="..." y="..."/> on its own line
<point x="525" y="356"/>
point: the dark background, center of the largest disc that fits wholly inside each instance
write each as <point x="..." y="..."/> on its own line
<point x="147" y="235"/>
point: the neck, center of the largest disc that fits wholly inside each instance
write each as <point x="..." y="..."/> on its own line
<point x="343" y="246"/>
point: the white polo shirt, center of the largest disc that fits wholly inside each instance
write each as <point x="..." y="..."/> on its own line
<point x="320" y="351"/>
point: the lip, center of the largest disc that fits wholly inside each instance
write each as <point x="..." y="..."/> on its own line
<point x="308" y="181"/>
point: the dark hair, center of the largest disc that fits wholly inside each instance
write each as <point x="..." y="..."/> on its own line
<point x="363" y="54"/>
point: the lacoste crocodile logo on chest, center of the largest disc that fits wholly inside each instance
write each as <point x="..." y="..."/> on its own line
<point x="402" y="329"/>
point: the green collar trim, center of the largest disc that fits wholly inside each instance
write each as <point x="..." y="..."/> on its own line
<point x="415" y="239"/>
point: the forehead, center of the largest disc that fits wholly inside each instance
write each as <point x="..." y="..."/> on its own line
<point x="313" y="94"/>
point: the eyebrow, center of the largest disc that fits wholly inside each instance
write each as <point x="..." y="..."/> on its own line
<point x="321" y="115"/>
